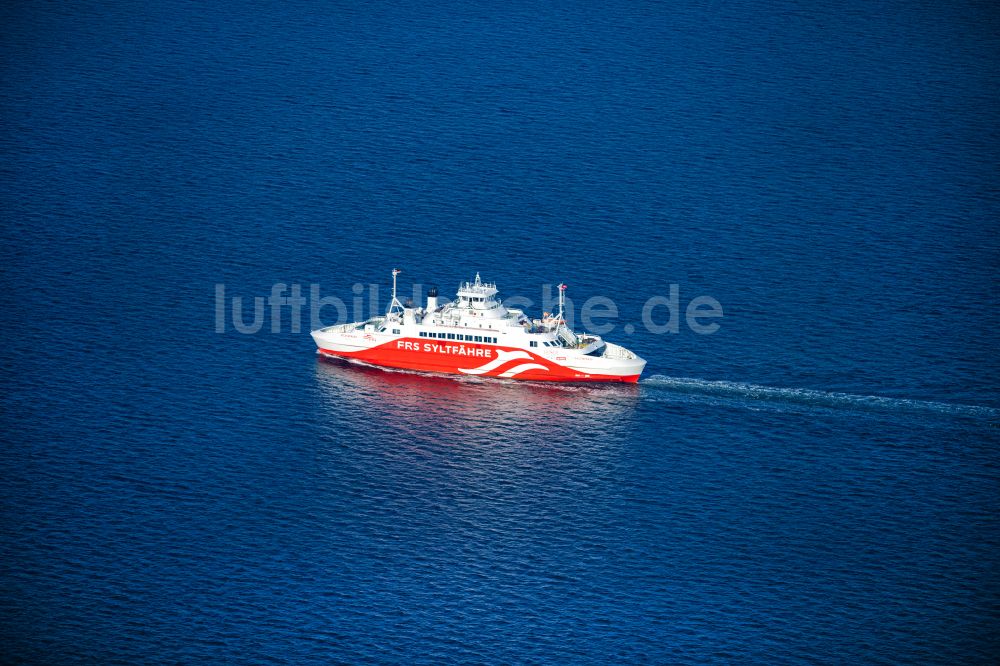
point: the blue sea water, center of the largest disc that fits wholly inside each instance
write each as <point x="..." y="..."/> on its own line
<point x="815" y="482"/>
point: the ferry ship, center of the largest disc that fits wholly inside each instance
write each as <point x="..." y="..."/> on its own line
<point x="476" y="335"/>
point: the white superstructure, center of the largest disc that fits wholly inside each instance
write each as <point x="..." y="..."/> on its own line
<point x="457" y="337"/>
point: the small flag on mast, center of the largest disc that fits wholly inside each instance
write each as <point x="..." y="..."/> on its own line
<point x="562" y="287"/>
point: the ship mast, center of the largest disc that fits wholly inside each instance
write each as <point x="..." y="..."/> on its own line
<point x="395" y="307"/>
<point x="569" y="335"/>
<point x="562" y="302"/>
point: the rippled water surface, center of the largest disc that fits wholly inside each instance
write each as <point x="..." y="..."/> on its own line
<point x="816" y="482"/>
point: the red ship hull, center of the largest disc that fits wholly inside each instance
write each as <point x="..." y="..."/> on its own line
<point x="459" y="358"/>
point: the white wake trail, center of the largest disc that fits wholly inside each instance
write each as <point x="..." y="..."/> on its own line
<point x="831" y="399"/>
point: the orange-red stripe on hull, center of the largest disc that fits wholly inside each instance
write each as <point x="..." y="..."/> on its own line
<point x="453" y="357"/>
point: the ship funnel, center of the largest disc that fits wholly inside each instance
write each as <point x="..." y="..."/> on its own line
<point x="432" y="299"/>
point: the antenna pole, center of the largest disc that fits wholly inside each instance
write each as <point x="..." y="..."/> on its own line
<point x="394" y="305"/>
<point x="560" y="324"/>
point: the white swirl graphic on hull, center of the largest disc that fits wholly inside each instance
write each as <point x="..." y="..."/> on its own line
<point x="518" y="369"/>
<point x="502" y="358"/>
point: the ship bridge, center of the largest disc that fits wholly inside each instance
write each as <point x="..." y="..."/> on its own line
<point x="480" y="296"/>
<point x="478" y="291"/>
